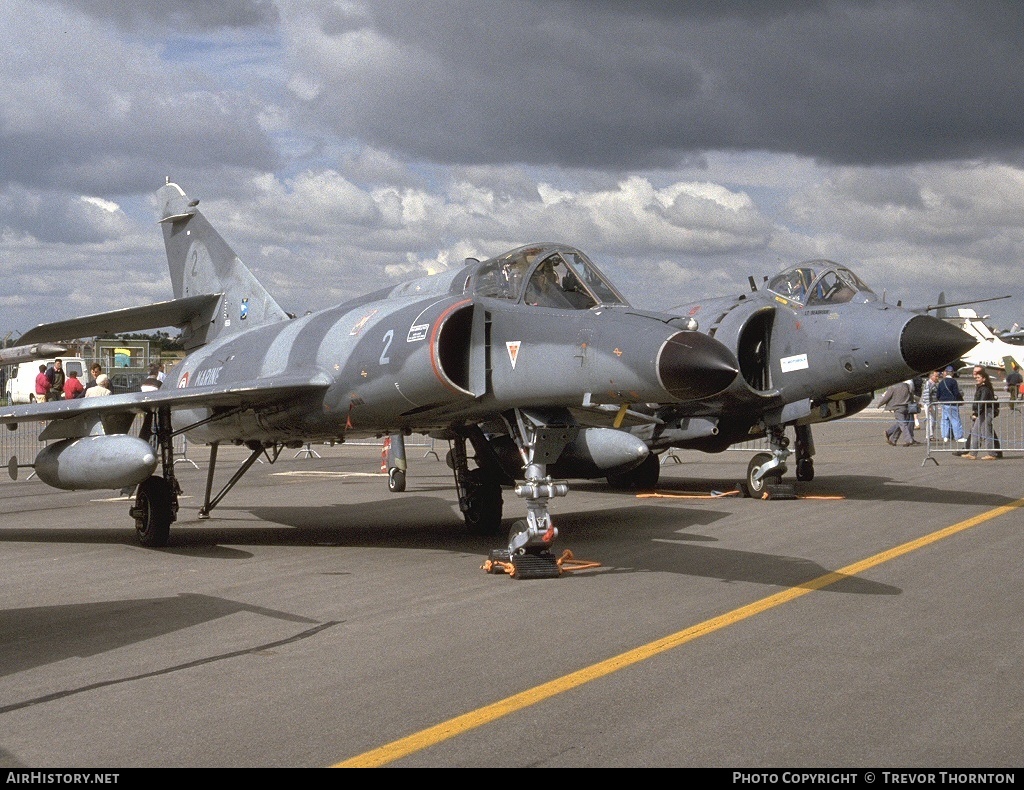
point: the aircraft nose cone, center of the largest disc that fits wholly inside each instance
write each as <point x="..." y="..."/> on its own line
<point x="695" y="366"/>
<point x="930" y="343"/>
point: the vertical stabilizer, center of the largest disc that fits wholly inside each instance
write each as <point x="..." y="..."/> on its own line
<point x="201" y="263"/>
<point x="975" y="324"/>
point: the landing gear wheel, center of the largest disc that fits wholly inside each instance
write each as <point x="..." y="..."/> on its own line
<point x="152" y="512"/>
<point x="483" y="504"/>
<point x="805" y="470"/>
<point x="396" y="480"/>
<point x="517" y="527"/>
<point x="641" y="478"/>
<point x="757" y="486"/>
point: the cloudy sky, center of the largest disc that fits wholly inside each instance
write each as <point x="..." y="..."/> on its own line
<point x="343" y="145"/>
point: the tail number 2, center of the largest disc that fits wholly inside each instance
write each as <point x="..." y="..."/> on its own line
<point x="388" y="337"/>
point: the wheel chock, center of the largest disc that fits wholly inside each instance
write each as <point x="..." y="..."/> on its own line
<point x="535" y="566"/>
<point x="779" y="491"/>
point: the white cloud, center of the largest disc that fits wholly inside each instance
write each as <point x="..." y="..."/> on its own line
<point x="107" y="205"/>
<point x="340" y="146"/>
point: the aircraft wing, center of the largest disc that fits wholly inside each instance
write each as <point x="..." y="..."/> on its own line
<point x="189" y="312"/>
<point x="255" y="394"/>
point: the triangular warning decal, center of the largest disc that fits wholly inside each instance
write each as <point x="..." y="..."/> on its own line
<point x="513" y="351"/>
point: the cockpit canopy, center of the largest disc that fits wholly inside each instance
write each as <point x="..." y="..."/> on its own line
<point x="820" y="282"/>
<point x="548" y="275"/>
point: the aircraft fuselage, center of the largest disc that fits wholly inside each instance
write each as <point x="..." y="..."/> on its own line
<point x="396" y="360"/>
<point x="804" y="363"/>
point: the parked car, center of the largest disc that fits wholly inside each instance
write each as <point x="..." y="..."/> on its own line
<point x="124" y="381"/>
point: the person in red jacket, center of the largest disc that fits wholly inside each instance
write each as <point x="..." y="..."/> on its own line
<point x="73" y="388"/>
<point x="42" y="384"/>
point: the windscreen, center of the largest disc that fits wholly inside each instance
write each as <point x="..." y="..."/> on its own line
<point x="554" y="276"/>
<point x="818" y="283"/>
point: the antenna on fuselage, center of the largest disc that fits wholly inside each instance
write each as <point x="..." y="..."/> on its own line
<point x="753" y="285"/>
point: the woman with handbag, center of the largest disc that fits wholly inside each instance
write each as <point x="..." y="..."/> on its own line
<point x="984" y="410"/>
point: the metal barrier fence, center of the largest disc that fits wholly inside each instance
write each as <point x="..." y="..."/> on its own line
<point x="1007" y="434"/>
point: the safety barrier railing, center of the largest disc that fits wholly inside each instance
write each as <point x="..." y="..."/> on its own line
<point x="938" y="430"/>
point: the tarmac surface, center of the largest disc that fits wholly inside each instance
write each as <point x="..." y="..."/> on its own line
<point x="317" y="619"/>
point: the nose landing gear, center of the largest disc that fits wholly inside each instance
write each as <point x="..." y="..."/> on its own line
<point x="765" y="470"/>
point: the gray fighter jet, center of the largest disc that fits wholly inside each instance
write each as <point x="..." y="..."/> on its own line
<point x="813" y="345"/>
<point x="533" y="350"/>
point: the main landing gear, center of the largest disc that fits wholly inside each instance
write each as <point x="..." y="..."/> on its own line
<point x="804" y="451"/>
<point x="479" y="489"/>
<point x="394" y="462"/>
<point x="156" y="499"/>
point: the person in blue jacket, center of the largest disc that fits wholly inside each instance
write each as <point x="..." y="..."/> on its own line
<point x="948" y="394"/>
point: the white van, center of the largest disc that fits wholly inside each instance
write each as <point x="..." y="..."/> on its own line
<point x="21" y="386"/>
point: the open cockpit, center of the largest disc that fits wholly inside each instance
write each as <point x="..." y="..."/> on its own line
<point x="819" y="282"/>
<point x="547" y="275"/>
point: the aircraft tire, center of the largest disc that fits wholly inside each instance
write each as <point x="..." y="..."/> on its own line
<point x="641" y="478"/>
<point x="805" y="470"/>
<point x="756" y="487"/>
<point x="152" y="512"/>
<point x="396" y="480"/>
<point x="519" y="525"/>
<point x="483" y="504"/>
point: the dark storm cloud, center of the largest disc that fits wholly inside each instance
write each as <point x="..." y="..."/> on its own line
<point x="181" y="16"/>
<point x="187" y="132"/>
<point x="85" y="110"/>
<point x="636" y="85"/>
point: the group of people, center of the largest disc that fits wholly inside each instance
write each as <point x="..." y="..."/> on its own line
<point x="53" y="383"/>
<point x="941" y="395"/>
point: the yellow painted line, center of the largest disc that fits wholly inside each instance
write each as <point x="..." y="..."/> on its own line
<point x="477" y="718"/>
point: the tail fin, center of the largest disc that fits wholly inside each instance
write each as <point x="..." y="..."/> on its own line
<point x="202" y="263"/>
<point x="942" y="312"/>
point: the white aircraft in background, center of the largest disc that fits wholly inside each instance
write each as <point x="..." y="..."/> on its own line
<point x="992" y="351"/>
